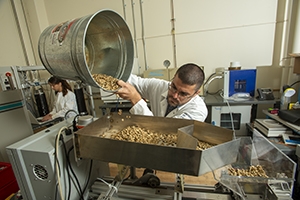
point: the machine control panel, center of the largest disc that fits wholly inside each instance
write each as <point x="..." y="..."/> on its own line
<point x="7" y="80"/>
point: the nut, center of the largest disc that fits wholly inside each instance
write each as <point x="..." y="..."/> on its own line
<point x="145" y="136"/>
<point x="106" y="82"/>
<point x="252" y="171"/>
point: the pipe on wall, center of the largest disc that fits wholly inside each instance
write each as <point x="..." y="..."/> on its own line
<point x="21" y="20"/>
<point x="134" y="29"/>
<point x="124" y="10"/>
<point x="19" y="30"/>
<point x="143" y="35"/>
<point x="288" y="75"/>
<point x="286" y="31"/>
<point x="173" y="33"/>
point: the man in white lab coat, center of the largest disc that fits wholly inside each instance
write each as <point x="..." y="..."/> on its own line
<point x="178" y="98"/>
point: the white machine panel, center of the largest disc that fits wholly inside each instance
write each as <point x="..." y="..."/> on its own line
<point x="13" y="120"/>
<point x="220" y="116"/>
<point x="33" y="161"/>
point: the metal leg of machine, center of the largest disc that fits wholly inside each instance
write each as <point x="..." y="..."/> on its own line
<point x="113" y="187"/>
<point x="165" y="191"/>
<point x="179" y="187"/>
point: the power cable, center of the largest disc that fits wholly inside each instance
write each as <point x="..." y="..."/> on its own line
<point x="230" y="113"/>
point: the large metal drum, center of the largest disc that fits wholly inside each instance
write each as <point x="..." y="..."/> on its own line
<point x="96" y="44"/>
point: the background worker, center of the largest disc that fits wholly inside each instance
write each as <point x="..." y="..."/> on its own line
<point x="178" y="98"/>
<point x="65" y="99"/>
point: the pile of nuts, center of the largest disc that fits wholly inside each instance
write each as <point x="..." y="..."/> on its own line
<point x="106" y="82"/>
<point x="252" y="171"/>
<point x="145" y="136"/>
<point x="142" y="135"/>
<point x="203" y="145"/>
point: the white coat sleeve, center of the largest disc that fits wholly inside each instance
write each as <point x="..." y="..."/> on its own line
<point x="141" y="108"/>
<point x="68" y="102"/>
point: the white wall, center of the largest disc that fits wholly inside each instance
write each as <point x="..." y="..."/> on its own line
<point x="213" y="33"/>
<point x="11" y="51"/>
<point x="296" y="28"/>
<point x="210" y="33"/>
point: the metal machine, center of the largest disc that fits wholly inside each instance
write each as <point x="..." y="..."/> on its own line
<point x="28" y="79"/>
<point x="236" y="116"/>
<point x="38" y="159"/>
<point x="35" y="159"/>
<point x="14" y="123"/>
<point x="239" y="153"/>
<point x="239" y="81"/>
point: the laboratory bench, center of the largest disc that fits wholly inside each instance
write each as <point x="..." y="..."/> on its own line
<point x="288" y="150"/>
<point x="39" y="127"/>
<point x="294" y="127"/>
<point x="233" y="113"/>
<point x="220" y="112"/>
<point x="293" y="151"/>
<point x="210" y="100"/>
<point x="217" y="100"/>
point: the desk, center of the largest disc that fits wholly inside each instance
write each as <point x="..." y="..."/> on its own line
<point x="289" y="150"/>
<point x="210" y="100"/>
<point x="243" y="112"/>
<point x="38" y="127"/>
<point x="294" y="127"/>
<point x="217" y="100"/>
<point x="295" y="149"/>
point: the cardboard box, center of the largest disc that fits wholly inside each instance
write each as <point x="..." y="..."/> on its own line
<point x="166" y="74"/>
<point x="296" y="62"/>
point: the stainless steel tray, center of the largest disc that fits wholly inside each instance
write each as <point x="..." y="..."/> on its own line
<point x="183" y="159"/>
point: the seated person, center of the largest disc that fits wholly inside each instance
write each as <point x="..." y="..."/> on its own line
<point x="65" y="99"/>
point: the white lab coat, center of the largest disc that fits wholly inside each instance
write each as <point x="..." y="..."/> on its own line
<point x="156" y="91"/>
<point x="63" y="104"/>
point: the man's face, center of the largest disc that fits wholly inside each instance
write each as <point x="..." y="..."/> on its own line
<point x="180" y="93"/>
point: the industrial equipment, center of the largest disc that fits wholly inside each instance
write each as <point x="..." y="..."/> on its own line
<point x="239" y="81"/>
<point x="100" y="43"/>
<point x="28" y="79"/>
<point x="234" y="117"/>
<point x="13" y="120"/>
<point x="35" y="159"/>
<point x="161" y="157"/>
<point x="34" y="162"/>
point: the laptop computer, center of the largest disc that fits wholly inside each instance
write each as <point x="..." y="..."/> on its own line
<point x="38" y="120"/>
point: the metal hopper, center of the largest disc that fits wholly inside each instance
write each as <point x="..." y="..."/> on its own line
<point x="279" y="168"/>
<point x="182" y="159"/>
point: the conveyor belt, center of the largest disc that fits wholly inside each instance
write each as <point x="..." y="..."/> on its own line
<point x="164" y="192"/>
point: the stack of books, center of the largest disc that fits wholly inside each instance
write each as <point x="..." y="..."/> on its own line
<point x="291" y="139"/>
<point x="271" y="128"/>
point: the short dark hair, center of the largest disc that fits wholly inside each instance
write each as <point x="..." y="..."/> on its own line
<point x="191" y="74"/>
<point x="65" y="85"/>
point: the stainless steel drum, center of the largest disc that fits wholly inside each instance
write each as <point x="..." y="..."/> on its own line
<point x="100" y="43"/>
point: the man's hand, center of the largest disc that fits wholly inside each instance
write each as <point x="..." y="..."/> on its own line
<point x="128" y="92"/>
